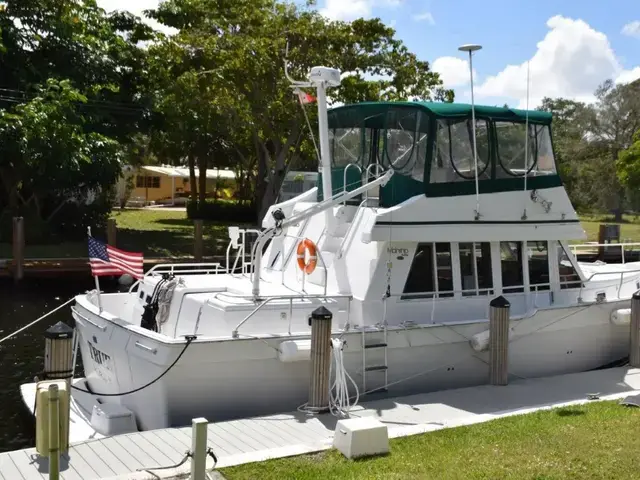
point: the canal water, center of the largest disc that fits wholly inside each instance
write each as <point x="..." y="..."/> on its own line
<point x="22" y="357"/>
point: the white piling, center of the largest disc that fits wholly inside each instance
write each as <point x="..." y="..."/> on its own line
<point x="199" y="448"/>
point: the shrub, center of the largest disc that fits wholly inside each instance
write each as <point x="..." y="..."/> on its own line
<point x="222" y="211"/>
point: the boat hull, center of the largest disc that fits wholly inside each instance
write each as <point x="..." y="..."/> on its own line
<point x="233" y="378"/>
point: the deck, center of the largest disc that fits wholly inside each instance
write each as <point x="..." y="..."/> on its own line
<point x="255" y="439"/>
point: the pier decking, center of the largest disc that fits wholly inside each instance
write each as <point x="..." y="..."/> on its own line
<point x="255" y="439"/>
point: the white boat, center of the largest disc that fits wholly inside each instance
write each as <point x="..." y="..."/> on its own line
<point x="411" y="246"/>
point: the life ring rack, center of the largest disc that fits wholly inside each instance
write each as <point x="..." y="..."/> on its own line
<point x="307" y="264"/>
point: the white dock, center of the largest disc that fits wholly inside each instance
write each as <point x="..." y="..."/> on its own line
<point x="255" y="439"/>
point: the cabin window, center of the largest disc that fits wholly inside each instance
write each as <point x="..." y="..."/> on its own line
<point x="545" y="164"/>
<point x="347" y="145"/>
<point x="511" y="266"/>
<point x="475" y="268"/>
<point x="569" y="277"/>
<point x="538" y="258"/>
<point x="430" y="273"/>
<point x="453" y="158"/>
<point x="510" y="149"/>
<point x="404" y="143"/>
<point x="444" y="271"/>
<point x="143" y="181"/>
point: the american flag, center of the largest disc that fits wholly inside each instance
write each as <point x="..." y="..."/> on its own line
<point x="108" y="260"/>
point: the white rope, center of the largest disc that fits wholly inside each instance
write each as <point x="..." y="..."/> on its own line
<point x="339" y="400"/>
<point x="37" y="320"/>
<point x="165" y="293"/>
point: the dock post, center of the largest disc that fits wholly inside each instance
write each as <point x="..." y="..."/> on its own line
<point x="54" y="432"/>
<point x="18" y="248"/>
<point x="320" y="364"/>
<point x="499" y="341"/>
<point x="634" y="337"/>
<point x="112" y="230"/>
<point x="198" y="246"/>
<point x="58" y="352"/>
<point x="199" y="448"/>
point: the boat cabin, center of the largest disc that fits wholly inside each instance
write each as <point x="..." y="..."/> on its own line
<point x="433" y="233"/>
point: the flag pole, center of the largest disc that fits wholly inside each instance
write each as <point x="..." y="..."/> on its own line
<point x="95" y="277"/>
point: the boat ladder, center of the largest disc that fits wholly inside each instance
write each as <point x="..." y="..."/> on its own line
<point x="375" y="358"/>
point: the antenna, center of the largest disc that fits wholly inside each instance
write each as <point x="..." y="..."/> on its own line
<point x="294" y="83"/>
<point x="473" y="48"/>
<point x="526" y="147"/>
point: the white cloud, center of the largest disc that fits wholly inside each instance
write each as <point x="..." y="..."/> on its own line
<point x="454" y="72"/>
<point x="571" y="61"/>
<point x="348" y="10"/>
<point x="632" y="29"/>
<point x="424" y="17"/>
<point x="137" y="7"/>
<point x="628" y="76"/>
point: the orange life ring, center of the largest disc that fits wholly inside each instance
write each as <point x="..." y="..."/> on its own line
<point x="305" y="246"/>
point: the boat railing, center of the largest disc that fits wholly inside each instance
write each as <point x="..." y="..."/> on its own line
<point x="235" y="234"/>
<point x="207" y="268"/>
<point x="357" y="218"/>
<point x="344" y="176"/>
<point x="623" y="246"/>
<point x="290" y="298"/>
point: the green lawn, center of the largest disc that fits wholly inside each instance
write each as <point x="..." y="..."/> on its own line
<point x="629" y="228"/>
<point x="594" y="441"/>
<point x="156" y="233"/>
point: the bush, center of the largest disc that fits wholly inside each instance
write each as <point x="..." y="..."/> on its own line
<point x="222" y="211"/>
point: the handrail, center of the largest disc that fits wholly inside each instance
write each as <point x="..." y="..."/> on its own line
<point x="182" y="269"/>
<point x="344" y="175"/>
<point x="234" y="332"/>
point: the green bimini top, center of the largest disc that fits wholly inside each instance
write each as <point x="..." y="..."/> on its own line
<point x="373" y="114"/>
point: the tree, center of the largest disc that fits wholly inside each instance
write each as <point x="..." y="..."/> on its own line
<point x="71" y="84"/>
<point x="629" y="164"/>
<point x="244" y="43"/>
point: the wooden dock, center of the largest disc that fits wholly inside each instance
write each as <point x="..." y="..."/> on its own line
<point x="134" y="456"/>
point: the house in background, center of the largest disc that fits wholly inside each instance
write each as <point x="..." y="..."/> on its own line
<point x="168" y="185"/>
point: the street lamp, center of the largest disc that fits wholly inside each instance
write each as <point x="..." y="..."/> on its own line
<point x="473" y="48"/>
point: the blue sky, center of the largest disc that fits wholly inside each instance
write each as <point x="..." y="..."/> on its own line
<point x="572" y="45"/>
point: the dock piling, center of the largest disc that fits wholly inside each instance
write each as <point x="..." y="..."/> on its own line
<point x="320" y="364"/>
<point x="112" y="231"/>
<point x="634" y="337"/>
<point x="198" y="245"/>
<point x="199" y="448"/>
<point x="18" y="248"/>
<point x="499" y="341"/>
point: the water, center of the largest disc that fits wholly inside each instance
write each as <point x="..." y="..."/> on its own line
<point x="22" y="357"/>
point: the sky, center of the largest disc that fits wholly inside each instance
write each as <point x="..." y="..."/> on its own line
<point x="569" y="47"/>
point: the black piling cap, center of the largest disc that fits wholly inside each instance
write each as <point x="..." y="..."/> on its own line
<point x="500" y="302"/>
<point x="59" y="331"/>
<point x="636" y="295"/>
<point x="321" y="313"/>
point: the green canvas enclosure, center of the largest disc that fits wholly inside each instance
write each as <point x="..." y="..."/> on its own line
<point x="430" y="147"/>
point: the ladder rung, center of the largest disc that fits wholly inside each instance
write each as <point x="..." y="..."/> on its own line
<point x="376" y="368"/>
<point x="375" y="345"/>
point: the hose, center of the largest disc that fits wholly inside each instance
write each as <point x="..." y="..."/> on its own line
<point x="339" y="398"/>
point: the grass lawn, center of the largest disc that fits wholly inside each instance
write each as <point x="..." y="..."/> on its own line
<point x="156" y="233"/>
<point x="629" y="228"/>
<point x="594" y="441"/>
